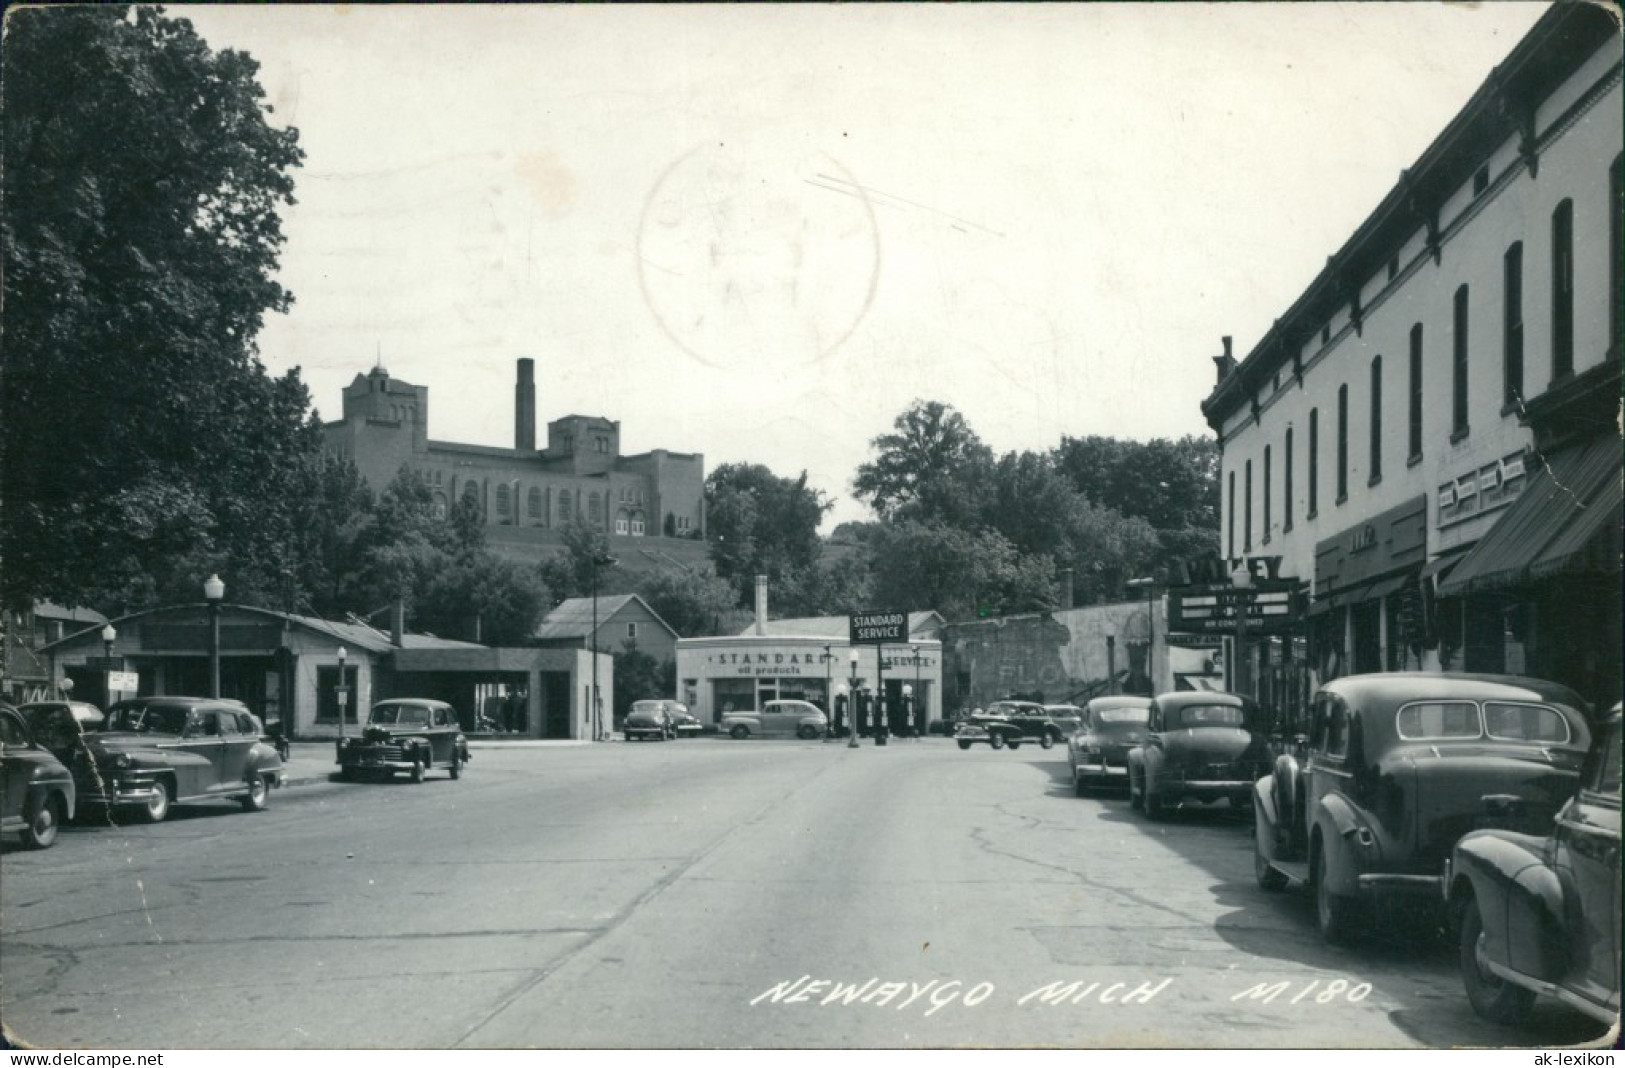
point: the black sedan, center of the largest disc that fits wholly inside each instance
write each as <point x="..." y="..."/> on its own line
<point x="1199" y="747"/>
<point x="1098" y="749"/>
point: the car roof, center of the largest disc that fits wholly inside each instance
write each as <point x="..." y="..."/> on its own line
<point x="1397" y="687"/>
<point x="427" y="701"/>
<point x="1119" y="700"/>
<point x="179" y="701"/>
<point x="1186" y="698"/>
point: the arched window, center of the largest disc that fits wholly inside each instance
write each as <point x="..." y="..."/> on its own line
<point x="502" y="500"/>
<point x="565" y="514"/>
<point x="595" y="510"/>
<point x="637" y="524"/>
<point x="533" y="504"/>
<point x="621" y="521"/>
<point x="438" y="508"/>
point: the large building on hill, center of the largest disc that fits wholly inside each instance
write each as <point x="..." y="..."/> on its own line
<point x="651" y="505"/>
<point x="1427" y="439"/>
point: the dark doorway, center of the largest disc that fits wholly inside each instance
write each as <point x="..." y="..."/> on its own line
<point x="556" y="703"/>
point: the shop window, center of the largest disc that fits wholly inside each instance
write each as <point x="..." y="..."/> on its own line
<point x="327" y="700"/>
<point x="1512" y="328"/>
<point x="1563" y="290"/>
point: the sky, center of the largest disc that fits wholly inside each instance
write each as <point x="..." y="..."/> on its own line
<point x="761" y="233"/>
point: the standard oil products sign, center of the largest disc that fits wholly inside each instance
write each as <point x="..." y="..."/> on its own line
<point x="873" y="628"/>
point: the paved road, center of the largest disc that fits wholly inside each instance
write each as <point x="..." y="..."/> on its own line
<point x="701" y="893"/>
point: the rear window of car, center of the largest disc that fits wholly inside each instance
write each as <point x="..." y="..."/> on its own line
<point x="1204" y="716"/>
<point x="646" y="706"/>
<point x="409" y="715"/>
<point x="1517" y="722"/>
<point x="1123" y="715"/>
<point x="1423" y="720"/>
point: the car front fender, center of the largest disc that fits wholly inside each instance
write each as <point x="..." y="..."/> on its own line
<point x="1266" y="818"/>
<point x="1519" y="898"/>
<point x="1336" y="822"/>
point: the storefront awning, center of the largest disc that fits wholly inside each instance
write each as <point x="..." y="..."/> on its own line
<point x="1570" y="503"/>
<point x="1442" y="564"/>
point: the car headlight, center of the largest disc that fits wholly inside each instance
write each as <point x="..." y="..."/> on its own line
<point x="121" y="760"/>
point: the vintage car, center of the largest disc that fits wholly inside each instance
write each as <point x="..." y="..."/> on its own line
<point x="1098" y="750"/>
<point x="1198" y="746"/>
<point x="682" y="721"/>
<point x="36" y="791"/>
<point x="1067" y="718"/>
<point x="800" y="719"/>
<point x="1396" y="768"/>
<point x="410" y="734"/>
<point x="1008" y="723"/>
<point x="153" y="752"/>
<point x="648" y="720"/>
<point x="58" y="725"/>
<point x="1541" y="915"/>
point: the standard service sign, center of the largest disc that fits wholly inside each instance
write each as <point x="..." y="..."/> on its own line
<point x="869" y="628"/>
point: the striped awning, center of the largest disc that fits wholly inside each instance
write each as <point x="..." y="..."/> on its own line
<point x="1566" y="521"/>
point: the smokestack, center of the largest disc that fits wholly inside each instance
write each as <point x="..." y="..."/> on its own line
<point x="761" y="604"/>
<point x="397" y="623"/>
<point x="524" y="406"/>
<point x="1225" y="363"/>
<point x="1066" y="587"/>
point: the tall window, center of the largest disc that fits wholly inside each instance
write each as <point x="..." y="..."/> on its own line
<point x="1286" y="482"/>
<point x="1458" y="369"/>
<point x="533" y="503"/>
<point x="1512" y="327"/>
<point x="1376" y="420"/>
<point x="1247" y="511"/>
<point x="1267" y="484"/>
<point x="502" y="500"/>
<point x="1342" y="443"/>
<point x="1314" y="461"/>
<point x="1563" y="290"/>
<point x="1416" y="394"/>
<point x="1230" y="519"/>
<point x="1616" y="207"/>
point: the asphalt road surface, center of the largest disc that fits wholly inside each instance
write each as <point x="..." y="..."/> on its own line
<point x="701" y="893"/>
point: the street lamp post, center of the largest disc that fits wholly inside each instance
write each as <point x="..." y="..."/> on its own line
<point x="341" y="691"/>
<point x="1150" y="585"/>
<point x="840" y="694"/>
<point x="852" y="705"/>
<point x="213" y="591"/>
<point x="829" y="694"/>
<point x="599" y="559"/>
<point x="109" y="635"/>
<point x="880" y="695"/>
<point x="1242" y="579"/>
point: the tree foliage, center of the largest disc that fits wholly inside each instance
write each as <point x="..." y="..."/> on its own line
<point x="761" y="524"/>
<point x="930" y="469"/>
<point x="142" y="184"/>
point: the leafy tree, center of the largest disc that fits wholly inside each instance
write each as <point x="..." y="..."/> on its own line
<point x="640" y="677"/>
<point x="761" y="524"/>
<point x="1172" y="484"/>
<point x="838" y="584"/>
<point x="482" y="597"/>
<point x="570" y="573"/>
<point x="957" y="572"/>
<point x="693" y="603"/>
<point x="142" y="182"/>
<point x="933" y="468"/>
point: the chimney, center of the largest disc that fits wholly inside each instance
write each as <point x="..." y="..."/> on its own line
<point x="524" y="406"/>
<point x="397" y="623"/>
<point x="1225" y="363"/>
<point x="761" y="604"/>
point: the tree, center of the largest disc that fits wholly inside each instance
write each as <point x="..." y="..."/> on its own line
<point x="639" y="677"/>
<point x="761" y="524"/>
<point x="957" y="572"/>
<point x="932" y="469"/>
<point x="1172" y="484"/>
<point x="572" y="572"/>
<point x="483" y="598"/>
<point x="142" y="184"/>
<point x="693" y="603"/>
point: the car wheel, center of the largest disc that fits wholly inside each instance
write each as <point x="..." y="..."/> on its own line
<point x="1269" y="877"/>
<point x="1047" y="741"/>
<point x="1015" y="743"/>
<point x="155" y="810"/>
<point x="806" y="733"/>
<point x="348" y="774"/>
<point x="417" y="770"/>
<point x="964" y="745"/>
<point x="456" y="767"/>
<point x="42" y="828"/>
<point x="996" y="741"/>
<point x="1333" y="912"/>
<point x="1154" y="808"/>
<point x="739" y="730"/>
<point x="258" y="796"/>
<point x="1136" y="795"/>
<point x="1492" y="997"/>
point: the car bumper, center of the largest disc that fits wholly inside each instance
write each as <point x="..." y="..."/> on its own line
<point x="364" y="758"/>
<point x="645" y="732"/>
<point x="1205" y="789"/>
<point x="1103" y="772"/>
<point x="1398" y="885"/>
<point x="119" y="792"/>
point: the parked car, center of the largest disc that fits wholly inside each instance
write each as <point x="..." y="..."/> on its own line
<point x="1541" y="915"/>
<point x="410" y="734"/>
<point x="1397" y="768"/>
<point x="1198" y="746"/>
<point x="683" y="722"/>
<point x="1068" y="718"/>
<point x="153" y="752"/>
<point x="58" y="725"/>
<point x="988" y="725"/>
<point x="648" y="720"/>
<point x="801" y="719"/>
<point x="1098" y="750"/>
<point x="37" y="794"/>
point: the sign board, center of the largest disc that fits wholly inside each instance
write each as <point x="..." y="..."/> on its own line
<point x="872" y="628"/>
<point x="123" y="681"/>
<point x="1268" y="608"/>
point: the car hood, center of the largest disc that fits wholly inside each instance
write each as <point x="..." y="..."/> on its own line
<point x="382" y="732"/>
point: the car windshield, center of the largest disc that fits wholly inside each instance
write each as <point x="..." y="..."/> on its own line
<point x="1204" y="716"/>
<point x="1123" y="715"/>
<point x="1014" y="710"/>
<point x="52" y="725"/>
<point x="646" y="706"/>
<point x="401" y="715"/>
<point x="147" y="719"/>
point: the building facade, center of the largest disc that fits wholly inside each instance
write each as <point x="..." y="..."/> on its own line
<point x="1387" y="423"/>
<point x="650" y="505"/>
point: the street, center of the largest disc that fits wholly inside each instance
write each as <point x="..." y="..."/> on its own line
<point x="700" y="893"/>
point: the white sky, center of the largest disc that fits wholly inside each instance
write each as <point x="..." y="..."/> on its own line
<point x="760" y="233"/>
